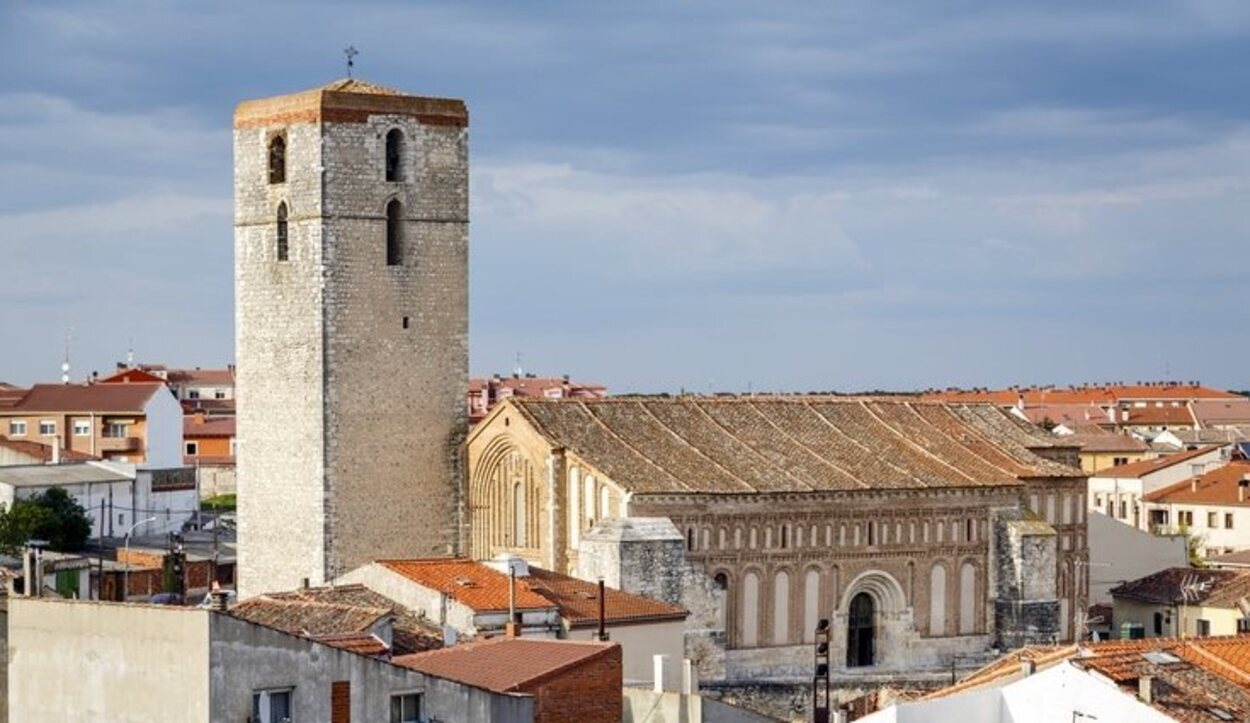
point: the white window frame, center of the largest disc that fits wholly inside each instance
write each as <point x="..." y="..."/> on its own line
<point x="82" y="427"/>
<point x="50" y="423"/>
<point x="192" y="449"/>
<point x="420" y="695"/>
<point x="111" y="428"/>
<point x="15" y="425"/>
<point x="260" y="703"/>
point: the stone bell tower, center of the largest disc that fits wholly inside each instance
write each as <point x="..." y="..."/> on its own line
<point x="351" y="232"/>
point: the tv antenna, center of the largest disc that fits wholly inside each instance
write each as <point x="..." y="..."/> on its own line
<point x="69" y="334"/>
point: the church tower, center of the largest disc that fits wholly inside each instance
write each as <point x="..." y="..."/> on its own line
<point x="351" y="232"/>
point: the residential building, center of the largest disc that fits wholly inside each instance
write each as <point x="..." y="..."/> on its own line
<point x="1222" y="413"/>
<point x="1118" y="491"/>
<point x="24" y="452"/>
<point x="139" y="423"/>
<point x="352" y="218"/>
<point x="187" y="385"/>
<point x="209" y="445"/>
<point x="475" y="598"/>
<point x="115" y="496"/>
<point x="568" y="681"/>
<point x="1102" y="449"/>
<point x="1120" y="681"/>
<point x="1182" y="601"/>
<point x="486" y="392"/>
<point x="763" y="515"/>
<point x="75" y="660"/>
<point x="1212" y="505"/>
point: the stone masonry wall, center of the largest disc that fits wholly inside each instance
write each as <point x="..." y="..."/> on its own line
<point x="396" y="417"/>
<point x="352" y="374"/>
<point x="278" y="344"/>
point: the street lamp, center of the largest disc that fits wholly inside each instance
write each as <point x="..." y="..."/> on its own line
<point x="126" y="572"/>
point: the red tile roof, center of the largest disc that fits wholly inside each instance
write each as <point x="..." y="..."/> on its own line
<point x="506" y="665"/>
<point x="214" y="377"/>
<point x="98" y="398"/>
<point x="340" y="614"/>
<point x="478" y="587"/>
<point x="1218" y="487"/>
<point x="1107" y="442"/>
<point x="1190" y="681"/>
<point x="482" y="588"/>
<point x="1137" y="470"/>
<point x="1219" y="588"/>
<point x="1095" y="394"/>
<point x="1222" y="411"/>
<point x="578" y="601"/>
<point x="129" y="376"/>
<point x="42" y="452"/>
<point x="204" y="426"/>
<point x="1157" y="416"/>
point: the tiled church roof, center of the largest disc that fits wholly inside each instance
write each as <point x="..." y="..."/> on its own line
<point x="793" y="444"/>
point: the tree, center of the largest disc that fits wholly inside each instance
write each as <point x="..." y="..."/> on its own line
<point x="53" y="516"/>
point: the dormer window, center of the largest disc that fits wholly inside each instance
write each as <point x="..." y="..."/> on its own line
<point x="394" y="152"/>
<point x="277" y="160"/>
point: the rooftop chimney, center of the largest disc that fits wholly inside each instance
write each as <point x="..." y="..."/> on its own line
<point x="1145" y="689"/>
<point x="1027" y="667"/>
<point x="219" y="600"/>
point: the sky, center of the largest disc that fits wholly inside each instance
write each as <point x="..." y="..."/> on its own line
<point x="703" y="195"/>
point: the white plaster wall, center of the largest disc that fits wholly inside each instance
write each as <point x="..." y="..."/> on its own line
<point x="639" y="645"/>
<point x="96" y="662"/>
<point x="1118" y="551"/>
<point x="1055" y="694"/>
<point x="164" y="431"/>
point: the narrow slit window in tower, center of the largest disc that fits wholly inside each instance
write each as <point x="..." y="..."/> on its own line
<point x="277" y="160"/>
<point x="394" y="146"/>
<point x="283" y="244"/>
<point x="394" y="235"/>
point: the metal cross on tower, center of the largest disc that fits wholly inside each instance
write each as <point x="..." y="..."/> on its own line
<point x="351" y="53"/>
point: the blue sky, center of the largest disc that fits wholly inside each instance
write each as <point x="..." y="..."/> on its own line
<point x="702" y="195"/>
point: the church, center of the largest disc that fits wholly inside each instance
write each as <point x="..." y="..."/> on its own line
<point x="921" y="530"/>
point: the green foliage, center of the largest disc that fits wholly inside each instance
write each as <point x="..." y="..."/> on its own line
<point x="53" y="516"/>
<point x="1193" y="544"/>
<point x="219" y="502"/>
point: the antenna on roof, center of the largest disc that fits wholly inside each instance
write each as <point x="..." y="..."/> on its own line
<point x="69" y="334"/>
<point x="130" y="354"/>
<point x="516" y="368"/>
<point x="351" y="53"/>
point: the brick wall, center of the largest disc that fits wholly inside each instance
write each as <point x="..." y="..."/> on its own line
<point x="587" y="692"/>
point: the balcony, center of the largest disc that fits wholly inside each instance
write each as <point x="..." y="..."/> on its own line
<point x="119" y="444"/>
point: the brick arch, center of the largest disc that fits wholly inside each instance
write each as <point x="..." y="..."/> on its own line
<point x="503" y="478"/>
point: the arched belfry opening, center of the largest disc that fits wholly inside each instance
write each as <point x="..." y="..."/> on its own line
<point x="394" y="154"/>
<point x="277" y="159"/>
<point x="861" y="632"/>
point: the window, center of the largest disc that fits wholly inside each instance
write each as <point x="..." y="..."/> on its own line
<point x="1204" y="628"/>
<point x="1158" y="624"/>
<point x="1123" y="509"/>
<point x="193" y="394"/>
<point x="271" y="706"/>
<point x="284" y="249"/>
<point x="406" y="708"/>
<point x="193" y="448"/>
<point x="1119" y="461"/>
<point x="1228" y="520"/>
<point x="47" y="428"/>
<point x="394" y="152"/>
<point x="116" y="430"/>
<point x="1185" y="518"/>
<point x="1243" y="626"/>
<point x="82" y="428"/>
<point x="277" y="160"/>
<point x="1213" y="519"/>
<point x="219" y="394"/>
<point x="17" y="428"/>
<point x="394" y="234"/>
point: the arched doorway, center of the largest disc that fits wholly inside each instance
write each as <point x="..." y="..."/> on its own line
<point x="861" y="632"/>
